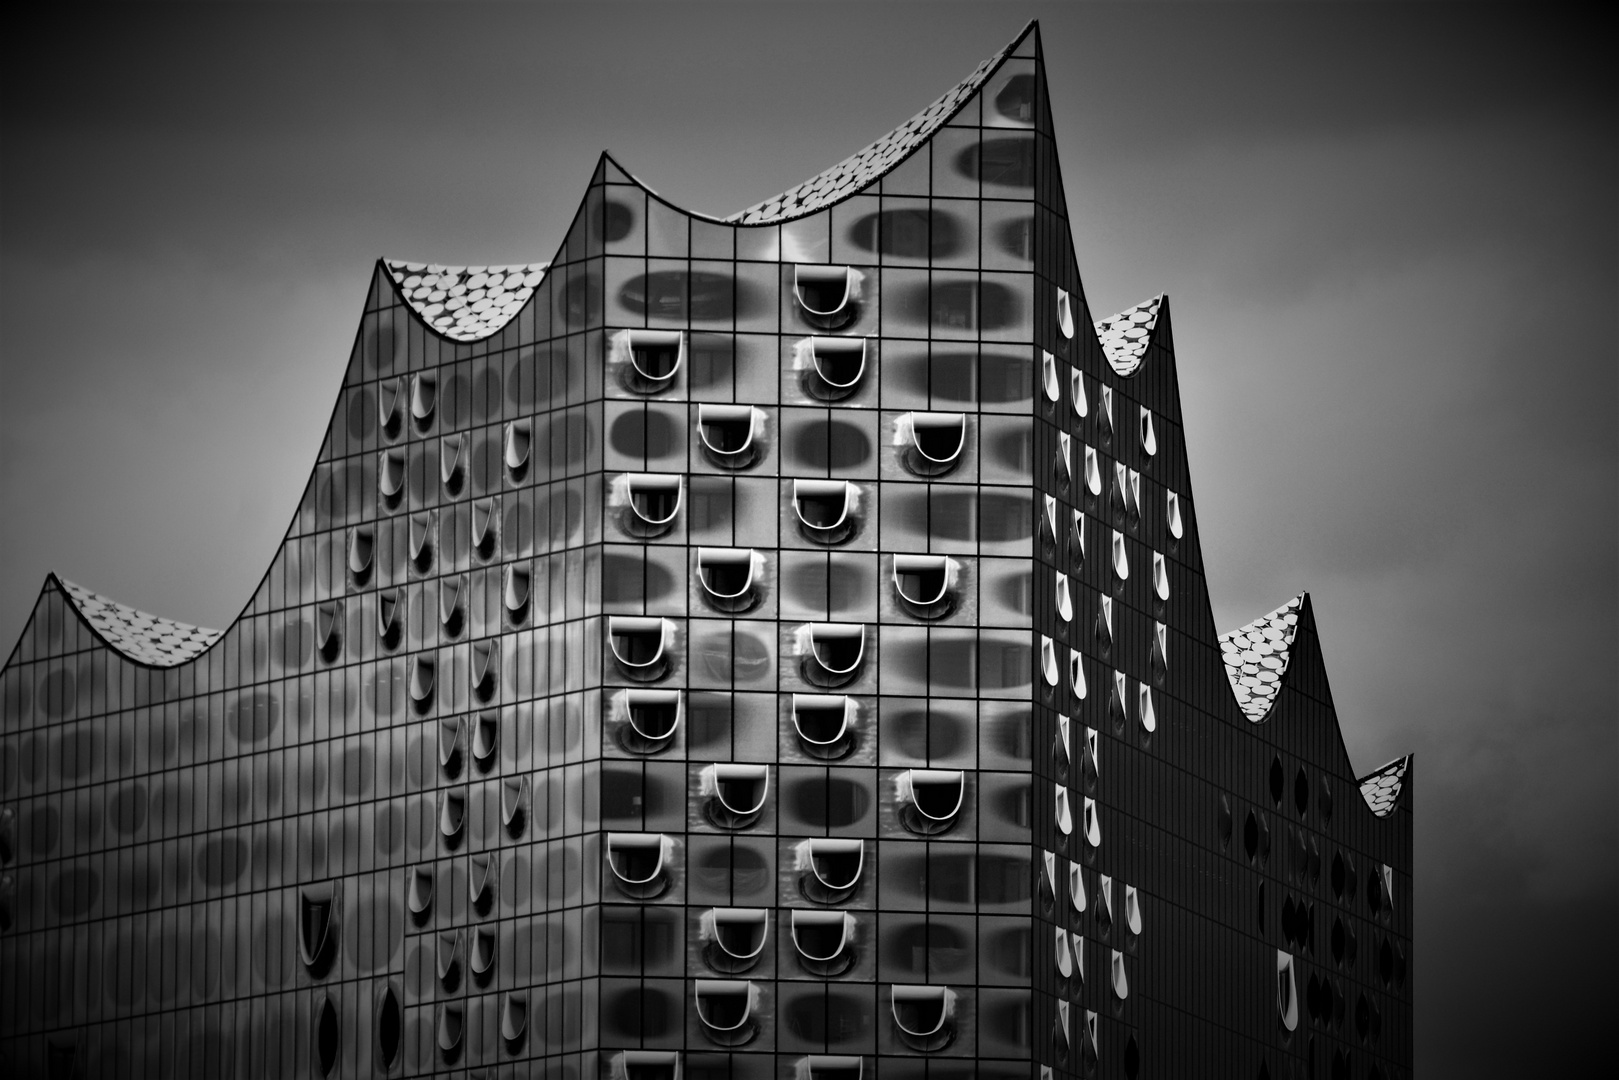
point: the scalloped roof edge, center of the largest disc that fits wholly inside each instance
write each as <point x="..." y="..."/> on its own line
<point x="134" y="634"/>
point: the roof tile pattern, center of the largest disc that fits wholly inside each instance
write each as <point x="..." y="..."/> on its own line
<point x="853" y="173"/>
<point x="1124" y="336"/>
<point x="466" y="303"/>
<point x="144" y="638"/>
<point x="1256" y="658"/>
<point x="1381" y="789"/>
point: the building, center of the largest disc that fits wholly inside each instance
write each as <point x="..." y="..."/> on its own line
<point x="769" y="647"/>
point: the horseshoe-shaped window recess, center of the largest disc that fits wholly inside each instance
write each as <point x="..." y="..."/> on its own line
<point x="824" y="940"/>
<point x="655" y="355"/>
<point x="839" y="362"/>
<point x="514" y="1017"/>
<point x="924" y="582"/>
<point x="826" y="291"/>
<point x="727" y="577"/>
<point x="419" y="896"/>
<point x="736" y="937"/>
<point x="1048" y="661"/>
<point x="451" y="742"/>
<point x="930" y="799"/>
<point x="1092" y="822"/>
<point x="1064" y="812"/>
<point x="485" y="741"/>
<point x="931" y="442"/>
<point x="647" y="1064"/>
<point x="391" y="472"/>
<point x="651" y="718"/>
<point x="1093" y="472"/>
<point x="834" y="1067"/>
<point x="449" y="461"/>
<point x="825" y="508"/>
<point x="362" y="549"/>
<point x="1065" y="314"/>
<point x="639" y="645"/>
<point x="423" y="398"/>
<point x="1149" y="437"/>
<point x="736" y="793"/>
<point x="452" y="817"/>
<point x="514" y="795"/>
<point x="922" y="1015"/>
<point x="639" y="862"/>
<point x="1121" y="980"/>
<point x="830" y="868"/>
<point x="654" y="500"/>
<point x="423" y="678"/>
<point x="725" y="1008"/>
<point x="1076" y="394"/>
<point x="822" y="722"/>
<point x="1076" y="674"/>
<point x="1065" y="601"/>
<point x="1172" y="513"/>
<point x="320" y="910"/>
<point x="519" y="439"/>
<point x="835" y="652"/>
<point x="388" y="393"/>
<point x="421" y="540"/>
<point x="1049" y="379"/>
<point x="731" y="433"/>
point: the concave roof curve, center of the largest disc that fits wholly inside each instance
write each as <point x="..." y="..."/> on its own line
<point x="1381" y="787"/>
<point x="465" y="303"/>
<point x="1256" y="658"/>
<point x="1124" y="336"/>
<point x="139" y="636"/>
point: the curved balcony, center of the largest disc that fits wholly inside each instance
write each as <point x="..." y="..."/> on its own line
<point x="835" y="365"/>
<point x="728" y="577"/>
<point x="735" y="793"/>
<point x="638" y="863"/>
<point x="651" y="718"/>
<point x="822" y="722"/>
<point x="734" y="938"/>
<point x="824" y="941"/>
<point x="930" y="800"/>
<point x="923" y="584"/>
<point x="826" y="509"/>
<point x="931" y="442"/>
<point x="654" y="357"/>
<point x="833" y="653"/>
<point x="725" y="1010"/>
<point x="830" y="868"/>
<point x="732" y="435"/>
<point x="639" y="646"/>
<point x="923" y="1016"/>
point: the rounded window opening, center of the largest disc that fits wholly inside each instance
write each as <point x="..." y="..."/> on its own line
<point x="828" y="295"/>
<point x="650" y="720"/>
<point x="735" y="794"/>
<point x="639" y="646"/>
<point x="825" y="509"/>
<point x="824" y="941"/>
<point x="731" y="435"/>
<point x="653" y="501"/>
<point x="728" y="578"/>
<point x="654" y="357"/>
<point x="930" y="799"/>
<point x="725" y="1007"/>
<point x="734" y="938"/>
<point x="836" y="366"/>
<point x="830" y="869"/>
<point x="638" y="863"/>
<point x="922" y="1016"/>
<point x="835" y="653"/>
<point x="931" y="442"/>
<point x="823" y="723"/>
<point x="923" y="584"/>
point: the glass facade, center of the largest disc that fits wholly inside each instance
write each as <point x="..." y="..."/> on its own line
<point x="774" y="647"/>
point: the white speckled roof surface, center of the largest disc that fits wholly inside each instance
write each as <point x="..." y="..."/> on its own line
<point x="144" y="638"/>
<point x="853" y="173"/>
<point x="1381" y="789"/>
<point x="1124" y="336"/>
<point x="1256" y="657"/>
<point x="466" y="303"/>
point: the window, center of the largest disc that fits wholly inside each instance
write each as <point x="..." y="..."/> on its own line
<point x="637" y="862"/>
<point x="638" y="644"/>
<point x="829" y="868"/>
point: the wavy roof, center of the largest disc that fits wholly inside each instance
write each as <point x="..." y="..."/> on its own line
<point x="1256" y="658"/>
<point x="148" y="639"/>
<point x="465" y="303"/>
<point x="1124" y="336"/>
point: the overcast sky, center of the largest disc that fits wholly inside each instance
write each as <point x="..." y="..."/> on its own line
<point x="1390" y="233"/>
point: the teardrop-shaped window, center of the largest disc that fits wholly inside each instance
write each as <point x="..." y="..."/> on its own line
<point x="654" y="499"/>
<point x="1076" y="394"/>
<point x="328" y="1042"/>
<point x="423" y="398"/>
<point x="423" y="679"/>
<point x="1287" y="992"/>
<point x="482" y="871"/>
<point x="1104" y="622"/>
<point x="452" y="1023"/>
<point x="1104" y="416"/>
<point x="1160" y="576"/>
<point x="519" y="437"/>
<point x="388" y="393"/>
<point x="727" y="577"/>
<point x="1144" y="709"/>
<point x="638" y="644"/>
<point x="833" y="1067"/>
<point x="637" y="862"/>
<point x="514" y="1017"/>
<point x="1062" y="754"/>
<point x="390" y="1026"/>
<point x="735" y="937"/>
<point x="1093" y="472"/>
<point x="839" y="363"/>
<point x="730" y="432"/>
<point x="328" y="639"/>
<point x="1048" y="880"/>
<point x="1092" y="822"/>
<point x="825" y="291"/>
<point x="514" y="794"/>
<point x="449" y="462"/>
<point x="452" y="817"/>
<point x="1104" y="905"/>
<point x="647" y="1065"/>
<point x="485" y="668"/>
<point x="1076" y="533"/>
<point x="736" y="793"/>
<point x="448" y="958"/>
<point x="1065" y="601"/>
<point x="824" y="941"/>
<point x="822" y="722"/>
<point x="1132" y="909"/>
<point x="1065" y="314"/>
<point x="923" y="583"/>
<point x="655" y="354"/>
<point x="515" y="595"/>
<point x="319" y="912"/>
<point x="1172" y="512"/>
<point x="651" y="718"/>
<point x="1132" y="497"/>
<point x="1064" y="954"/>
<point x="830" y="868"/>
<point x="1064" y="812"/>
<point x="1121" y="980"/>
<point x="419" y="897"/>
<point x="1048" y="661"/>
<point x="1049" y="521"/>
<point x="389" y="627"/>
<point x="1076" y="674"/>
<point x="391" y="472"/>
<point x="485" y="740"/>
<point x="825" y="509"/>
<point x="1121" y="557"/>
<point x="1064" y="460"/>
<point x="362" y="547"/>
<point x="922" y="1015"/>
<point x="1160" y="650"/>
<point x="483" y="536"/>
<point x="451" y="743"/>
<point x="1076" y="887"/>
<point x="483" y="954"/>
<point x="930" y="799"/>
<point x="421" y="540"/>
<point x="725" y="1009"/>
<point x="835" y="653"/>
<point x="1049" y="377"/>
<point x="935" y="439"/>
<point x="1149" y="437"/>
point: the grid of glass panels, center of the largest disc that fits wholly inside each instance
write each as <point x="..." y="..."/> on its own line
<point x="668" y="678"/>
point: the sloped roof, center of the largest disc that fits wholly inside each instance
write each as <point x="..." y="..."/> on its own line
<point x="144" y="638"/>
<point x="1124" y="336"/>
<point x="1381" y="787"/>
<point x="1256" y="658"/>
<point x="465" y="303"/>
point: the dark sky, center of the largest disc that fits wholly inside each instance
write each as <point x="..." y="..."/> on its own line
<point x="1391" y="236"/>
